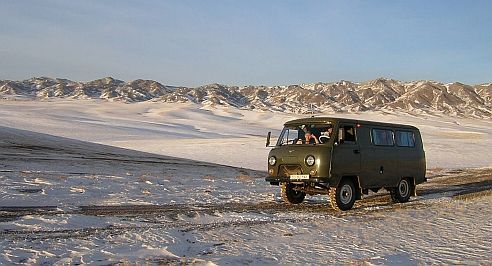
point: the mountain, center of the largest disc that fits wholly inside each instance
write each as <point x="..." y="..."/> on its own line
<point x="344" y="96"/>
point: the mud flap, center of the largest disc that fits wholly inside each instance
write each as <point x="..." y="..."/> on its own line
<point x="414" y="188"/>
<point x="359" y="193"/>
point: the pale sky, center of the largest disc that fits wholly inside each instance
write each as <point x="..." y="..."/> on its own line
<point x="192" y="43"/>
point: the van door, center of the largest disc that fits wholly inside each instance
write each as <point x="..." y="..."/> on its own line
<point x="346" y="154"/>
<point x="380" y="160"/>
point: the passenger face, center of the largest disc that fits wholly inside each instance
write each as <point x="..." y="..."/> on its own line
<point x="307" y="135"/>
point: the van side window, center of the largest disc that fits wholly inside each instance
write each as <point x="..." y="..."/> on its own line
<point x="405" y="139"/>
<point x="348" y="133"/>
<point x="382" y="137"/>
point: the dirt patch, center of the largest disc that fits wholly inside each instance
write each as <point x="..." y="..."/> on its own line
<point x="244" y="178"/>
<point x="29" y="190"/>
<point x="462" y="135"/>
<point x="473" y="195"/>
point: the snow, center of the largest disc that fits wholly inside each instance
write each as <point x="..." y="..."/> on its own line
<point x="162" y="183"/>
<point x="188" y="130"/>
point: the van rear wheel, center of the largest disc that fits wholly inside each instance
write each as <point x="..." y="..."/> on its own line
<point x="291" y="196"/>
<point x="402" y="192"/>
<point x="342" y="197"/>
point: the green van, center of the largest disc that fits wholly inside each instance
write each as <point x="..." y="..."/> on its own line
<point x="344" y="159"/>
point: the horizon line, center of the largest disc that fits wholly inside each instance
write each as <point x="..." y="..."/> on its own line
<point x="244" y="85"/>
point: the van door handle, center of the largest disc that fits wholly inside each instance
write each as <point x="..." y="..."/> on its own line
<point x="356" y="151"/>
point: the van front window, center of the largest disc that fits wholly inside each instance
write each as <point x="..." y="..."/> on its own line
<point x="305" y="134"/>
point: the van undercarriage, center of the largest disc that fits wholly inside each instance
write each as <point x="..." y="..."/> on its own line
<point x="343" y="196"/>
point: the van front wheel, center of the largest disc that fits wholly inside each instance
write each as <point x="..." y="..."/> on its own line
<point x="402" y="192"/>
<point x="343" y="196"/>
<point x="289" y="195"/>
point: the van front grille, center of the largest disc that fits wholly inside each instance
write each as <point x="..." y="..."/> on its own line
<point x="286" y="170"/>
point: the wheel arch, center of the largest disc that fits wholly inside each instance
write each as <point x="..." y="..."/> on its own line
<point x="413" y="189"/>
<point x="354" y="178"/>
<point x="413" y="183"/>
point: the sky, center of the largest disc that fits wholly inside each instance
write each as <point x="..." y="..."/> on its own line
<point x="276" y="42"/>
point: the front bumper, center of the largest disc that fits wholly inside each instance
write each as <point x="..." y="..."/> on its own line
<point x="278" y="179"/>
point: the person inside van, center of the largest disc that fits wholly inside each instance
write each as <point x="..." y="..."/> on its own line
<point x="309" y="138"/>
<point x="326" y="135"/>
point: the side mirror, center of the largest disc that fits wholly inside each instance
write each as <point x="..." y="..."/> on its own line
<point x="268" y="138"/>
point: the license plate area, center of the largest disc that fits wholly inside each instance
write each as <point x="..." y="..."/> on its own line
<point x="299" y="177"/>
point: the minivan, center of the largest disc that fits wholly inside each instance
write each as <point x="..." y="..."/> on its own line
<point x="345" y="159"/>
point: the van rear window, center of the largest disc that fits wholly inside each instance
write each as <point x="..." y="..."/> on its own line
<point x="405" y="138"/>
<point x="382" y="137"/>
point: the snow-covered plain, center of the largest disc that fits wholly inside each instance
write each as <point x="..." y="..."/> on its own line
<point x="66" y="199"/>
<point x="226" y="135"/>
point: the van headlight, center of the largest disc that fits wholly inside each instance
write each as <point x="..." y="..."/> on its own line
<point x="272" y="160"/>
<point x="310" y="160"/>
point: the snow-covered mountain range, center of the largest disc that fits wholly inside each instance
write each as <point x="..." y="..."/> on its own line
<point x="379" y="94"/>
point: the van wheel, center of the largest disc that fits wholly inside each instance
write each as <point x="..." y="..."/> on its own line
<point x="342" y="198"/>
<point x="402" y="192"/>
<point x="291" y="196"/>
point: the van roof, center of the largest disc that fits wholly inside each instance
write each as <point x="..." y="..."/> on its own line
<point x="324" y="119"/>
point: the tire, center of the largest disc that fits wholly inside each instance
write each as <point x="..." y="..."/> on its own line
<point x="342" y="198"/>
<point x="402" y="192"/>
<point x="291" y="196"/>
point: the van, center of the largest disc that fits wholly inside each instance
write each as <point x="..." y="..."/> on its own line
<point x="345" y="159"/>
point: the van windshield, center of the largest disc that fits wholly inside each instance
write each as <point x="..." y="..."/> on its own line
<point x="305" y="134"/>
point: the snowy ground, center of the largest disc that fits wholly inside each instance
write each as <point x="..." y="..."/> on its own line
<point x="188" y="131"/>
<point x="66" y="201"/>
